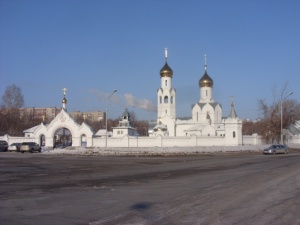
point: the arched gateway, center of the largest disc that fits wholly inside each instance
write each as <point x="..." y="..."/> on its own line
<point x="63" y="131"/>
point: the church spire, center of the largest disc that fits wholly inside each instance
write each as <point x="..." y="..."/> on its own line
<point x="232" y="113"/>
<point x="64" y="101"/>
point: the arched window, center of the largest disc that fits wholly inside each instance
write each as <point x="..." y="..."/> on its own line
<point x="166" y="99"/>
<point x="83" y="140"/>
<point x="160" y="99"/>
<point x="233" y="134"/>
<point x="42" y="140"/>
<point x="171" y="99"/>
<point x="166" y="83"/>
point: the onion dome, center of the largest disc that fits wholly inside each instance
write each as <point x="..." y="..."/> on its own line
<point x="206" y="81"/>
<point x="166" y="71"/>
<point x="64" y="101"/>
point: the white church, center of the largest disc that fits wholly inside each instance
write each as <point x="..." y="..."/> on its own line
<point x="207" y="119"/>
<point x="207" y="127"/>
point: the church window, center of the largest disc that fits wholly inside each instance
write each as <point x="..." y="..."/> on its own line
<point x="166" y="83"/>
<point x="233" y="134"/>
<point x="206" y="93"/>
<point x="160" y="99"/>
<point x="166" y="99"/>
<point x="171" y="99"/>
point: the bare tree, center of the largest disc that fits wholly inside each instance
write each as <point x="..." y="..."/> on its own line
<point x="12" y="97"/>
<point x="11" y="119"/>
<point x="271" y="115"/>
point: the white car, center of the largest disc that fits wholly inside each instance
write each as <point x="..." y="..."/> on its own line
<point x="30" y="147"/>
<point x="14" y="147"/>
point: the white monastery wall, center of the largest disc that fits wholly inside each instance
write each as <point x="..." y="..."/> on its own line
<point x="294" y="139"/>
<point x="253" y="139"/>
<point x="156" y="141"/>
<point x="10" y="139"/>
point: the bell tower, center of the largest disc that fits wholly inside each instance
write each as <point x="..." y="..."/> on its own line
<point x="166" y="94"/>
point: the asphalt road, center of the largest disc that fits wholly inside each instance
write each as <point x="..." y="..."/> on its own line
<point x="201" y="189"/>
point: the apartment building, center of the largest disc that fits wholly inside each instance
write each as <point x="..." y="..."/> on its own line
<point x="41" y="113"/>
<point x="92" y="116"/>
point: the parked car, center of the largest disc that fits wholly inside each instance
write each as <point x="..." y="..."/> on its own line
<point x="30" y="147"/>
<point x="3" y="146"/>
<point x="14" y="147"/>
<point x="274" y="149"/>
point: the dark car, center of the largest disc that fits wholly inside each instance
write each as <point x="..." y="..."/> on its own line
<point x="3" y="146"/>
<point x="14" y="147"/>
<point x="30" y="147"/>
<point x="274" y="149"/>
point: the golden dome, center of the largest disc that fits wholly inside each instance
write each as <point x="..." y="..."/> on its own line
<point x="166" y="71"/>
<point x="64" y="101"/>
<point x="206" y="81"/>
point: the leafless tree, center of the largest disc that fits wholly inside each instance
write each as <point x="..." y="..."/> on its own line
<point x="11" y="121"/>
<point x="12" y="97"/>
<point x="271" y="114"/>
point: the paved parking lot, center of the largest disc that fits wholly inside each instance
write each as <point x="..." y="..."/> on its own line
<point x="199" y="189"/>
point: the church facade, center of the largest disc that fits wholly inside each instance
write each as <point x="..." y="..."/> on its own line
<point x="206" y="121"/>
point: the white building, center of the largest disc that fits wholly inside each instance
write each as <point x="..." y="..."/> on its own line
<point x="206" y="118"/>
<point x="293" y="133"/>
<point x="125" y="126"/>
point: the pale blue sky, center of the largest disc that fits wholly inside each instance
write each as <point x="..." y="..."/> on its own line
<point x="93" y="47"/>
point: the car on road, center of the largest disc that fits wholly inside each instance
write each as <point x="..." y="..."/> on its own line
<point x="30" y="147"/>
<point x="274" y="149"/>
<point x="14" y="147"/>
<point x="3" y="146"/>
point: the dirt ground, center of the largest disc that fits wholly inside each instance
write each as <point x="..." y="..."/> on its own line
<point x="199" y="189"/>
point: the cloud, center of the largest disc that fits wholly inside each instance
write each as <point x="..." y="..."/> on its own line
<point x="139" y="103"/>
<point x="125" y="100"/>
